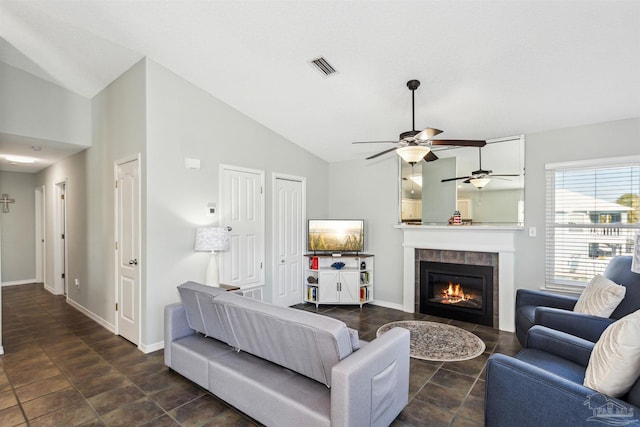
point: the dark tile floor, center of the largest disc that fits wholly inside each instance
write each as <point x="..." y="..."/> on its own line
<point x="60" y="368"/>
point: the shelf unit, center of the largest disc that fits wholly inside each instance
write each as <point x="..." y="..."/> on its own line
<point x="352" y="284"/>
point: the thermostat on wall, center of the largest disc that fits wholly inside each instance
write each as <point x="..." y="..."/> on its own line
<point x="191" y="163"/>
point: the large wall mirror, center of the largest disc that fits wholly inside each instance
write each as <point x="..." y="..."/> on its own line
<point x="496" y="200"/>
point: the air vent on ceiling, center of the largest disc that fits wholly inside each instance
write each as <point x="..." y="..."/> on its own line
<point x="323" y="66"/>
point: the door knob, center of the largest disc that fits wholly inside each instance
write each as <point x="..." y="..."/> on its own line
<point x="133" y="262"/>
<point x="282" y="261"/>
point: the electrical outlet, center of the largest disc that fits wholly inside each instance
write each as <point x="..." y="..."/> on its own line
<point x="532" y="232"/>
<point x="77" y="283"/>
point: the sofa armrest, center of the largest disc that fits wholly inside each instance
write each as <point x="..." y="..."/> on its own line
<point x="520" y="394"/>
<point x="545" y="299"/>
<point x="371" y="386"/>
<point x="581" y="325"/>
<point x="561" y="344"/>
<point x="175" y="327"/>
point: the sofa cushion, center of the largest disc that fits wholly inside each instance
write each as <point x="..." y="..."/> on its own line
<point x="201" y="314"/>
<point x="614" y="365"/>
<point x="304" y="342"/>
<point x="600" y="297"/>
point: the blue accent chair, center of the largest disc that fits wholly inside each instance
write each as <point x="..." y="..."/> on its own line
<point x="556" y="311"/>
<point x="542" y="386"/>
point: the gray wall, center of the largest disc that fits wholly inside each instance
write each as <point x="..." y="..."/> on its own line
<point x="31" y="106"/>
<point x="118" y="130"/>
<point x="184" y="121"/>
<point x="18" y="228"/>
<point x="369" y="190"/>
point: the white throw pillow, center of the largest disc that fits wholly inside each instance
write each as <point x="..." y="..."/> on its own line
<point x="614" y="365"/>
<point x="600" y="297"/>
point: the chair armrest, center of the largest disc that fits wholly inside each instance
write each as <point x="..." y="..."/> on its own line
<point x="561" y="344"/>
<point x="520" y="394"/>
<point x="175" y="327"/>
<point x="581" y="325"/>
<point x="371" y="386"/>
<point x="546" y="299"/>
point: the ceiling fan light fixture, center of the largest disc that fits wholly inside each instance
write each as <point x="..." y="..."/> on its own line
<point x="413" y="153"/>
<point x="480" y="183"/>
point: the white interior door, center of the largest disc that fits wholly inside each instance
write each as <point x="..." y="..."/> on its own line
<point x="60" y="247"/>
<point x="242" y="209"/>
<point x="288" y="239"/>
<point x="40" y="234"/>
<point x="128" y="250"/>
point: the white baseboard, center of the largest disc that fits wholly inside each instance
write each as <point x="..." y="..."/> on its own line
<point x="1" y="350"/>
<point x="92" y="316"/>
<point x="151" y="347"/>
<point x="19" y="282"/>
<point x="388" y="304"/>
<point x="50" y="290"/>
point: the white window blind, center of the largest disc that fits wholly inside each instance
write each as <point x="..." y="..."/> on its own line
<point x="591" y="216"/>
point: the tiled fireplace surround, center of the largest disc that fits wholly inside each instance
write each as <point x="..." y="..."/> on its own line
<point x="462" y="245"/>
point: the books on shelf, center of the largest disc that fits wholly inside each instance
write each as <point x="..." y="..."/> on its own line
<point x="312" y="293"/>
<point x="364" y="278"/>
<point x="364" y="293"/>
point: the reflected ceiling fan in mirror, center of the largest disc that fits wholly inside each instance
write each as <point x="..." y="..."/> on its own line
<point x="481" y="177"/>
<point x="415" y="145"/>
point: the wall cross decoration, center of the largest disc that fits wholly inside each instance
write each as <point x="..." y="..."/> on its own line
<point x="5" y="200"/>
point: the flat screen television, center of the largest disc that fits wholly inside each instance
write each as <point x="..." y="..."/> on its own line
<point x="335" y="235"/>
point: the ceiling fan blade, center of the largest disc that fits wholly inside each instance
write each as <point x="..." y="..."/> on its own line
<point x="427" y="133"/>
<point x="459" y="142"/>
<point x="508" y="174"/>
<point x="468" y="181"/>
<point x="430" y="157"/>
<point x="381" y="153"/>
<point x="375" y="142"/>
<point x="455" y="179"/>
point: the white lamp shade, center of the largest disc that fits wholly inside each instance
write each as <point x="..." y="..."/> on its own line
<point x="479" y="182"/>
<point x="413" y="153"/>
<point x="212" y="239"/>
<point x="635" y="263"/>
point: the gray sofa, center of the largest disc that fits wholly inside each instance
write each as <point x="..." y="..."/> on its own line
<point x="282" y="366"/>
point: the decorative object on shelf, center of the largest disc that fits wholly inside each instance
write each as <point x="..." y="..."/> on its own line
<point x="363" y="265"/>
<point x="457" y="218"/>
<point x="337" y="265"/>
<point x="5" y="200"/>
<point x="312" y="280"/>
<point x="212" y="239"/>
<point x="438" y="342"/>
<point x="635" y="263"/>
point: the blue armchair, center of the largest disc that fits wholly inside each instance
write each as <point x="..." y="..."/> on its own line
<point x="542" y="386"/>
<point x="556" y="311"/>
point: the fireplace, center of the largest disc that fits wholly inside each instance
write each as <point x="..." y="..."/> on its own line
<point x="457" y="291"/>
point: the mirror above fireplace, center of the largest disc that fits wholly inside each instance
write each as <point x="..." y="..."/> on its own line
<point x="426" y="200"/>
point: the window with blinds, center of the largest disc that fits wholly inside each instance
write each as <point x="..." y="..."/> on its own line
<point x="592" y="211"/>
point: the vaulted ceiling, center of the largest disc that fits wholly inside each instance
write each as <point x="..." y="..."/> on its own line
<point x="488" y="68"/>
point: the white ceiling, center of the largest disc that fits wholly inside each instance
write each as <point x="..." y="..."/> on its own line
<point x="488" y="68"/>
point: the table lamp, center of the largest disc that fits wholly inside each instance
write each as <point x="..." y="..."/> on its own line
<point x="212" y="239"/>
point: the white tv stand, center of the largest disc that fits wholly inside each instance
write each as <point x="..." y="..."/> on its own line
<point x="352" y="284"/>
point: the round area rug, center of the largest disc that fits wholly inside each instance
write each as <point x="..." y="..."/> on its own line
<point x="438" y="342"/>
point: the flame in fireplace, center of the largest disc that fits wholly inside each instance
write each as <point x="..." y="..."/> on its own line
<point x="454" y="294"/>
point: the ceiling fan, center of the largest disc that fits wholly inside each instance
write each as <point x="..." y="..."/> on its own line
<point x="481" y="177"/>
<point x="415" y="145"/>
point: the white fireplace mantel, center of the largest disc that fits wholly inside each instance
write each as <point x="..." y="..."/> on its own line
<point x="498" y="240"/>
